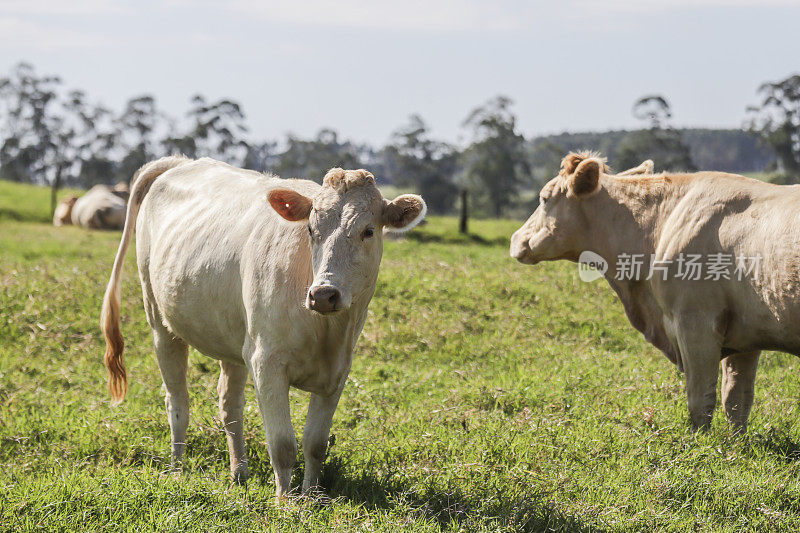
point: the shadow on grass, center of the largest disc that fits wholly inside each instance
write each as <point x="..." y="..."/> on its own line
<point x="530" y="512"/>
<point x="7" y="214"/>
<point x="776" y="442"/>
<point x="376" y="488"/>
<point x="455" y="238"/>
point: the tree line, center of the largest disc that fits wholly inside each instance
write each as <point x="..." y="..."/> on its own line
<point x="55" y="136"/>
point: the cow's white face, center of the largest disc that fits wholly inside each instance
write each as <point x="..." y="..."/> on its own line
<point x="558" y="227"/>
<point x="345" y="223"/>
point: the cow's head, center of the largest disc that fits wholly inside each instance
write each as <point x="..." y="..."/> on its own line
<point x="63" y="213"/>
<point x="345" y="223"/>
<point x="122" y="190"/>
<point x="558" y="227"/>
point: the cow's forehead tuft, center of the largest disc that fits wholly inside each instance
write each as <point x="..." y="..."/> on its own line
<point x="366" y="197"/>
<point x="342" y="180"/>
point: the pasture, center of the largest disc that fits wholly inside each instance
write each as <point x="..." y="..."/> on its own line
<point x="484" y="396"/>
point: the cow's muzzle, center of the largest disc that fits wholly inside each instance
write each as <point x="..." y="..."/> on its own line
<point x="520" y="250"/>
<point x="324" y="299"/>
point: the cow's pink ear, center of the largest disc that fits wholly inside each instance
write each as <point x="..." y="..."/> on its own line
<point x="404" y="212"/>
<point x="585" y="181"/>
<point x="290" y="204"/>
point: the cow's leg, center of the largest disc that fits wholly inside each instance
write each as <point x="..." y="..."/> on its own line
<point x="315" y="436"/>
<point x="172" y="357"/>
<point x="738" y="387"/>
<point x="272" y="390"/>
<point x="232" y="379"/>
<point x="700" y="353"/>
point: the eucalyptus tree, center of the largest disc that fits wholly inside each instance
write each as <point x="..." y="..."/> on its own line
<point x="496" y="163"/>
<point x="413" y="158"/>
<point x="659" y="141"/>
<point x="777" y="121"/>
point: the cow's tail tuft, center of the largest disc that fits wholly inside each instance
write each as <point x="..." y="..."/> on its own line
<point x="109" y="317"/>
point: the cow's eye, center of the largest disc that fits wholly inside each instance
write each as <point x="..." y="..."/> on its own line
<point x="369" y="232"/>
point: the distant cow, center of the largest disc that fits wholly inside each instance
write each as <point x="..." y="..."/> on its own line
<point x="271" y="277"/>
<point x="101" y="207"/>
<point x="707" y="266"/>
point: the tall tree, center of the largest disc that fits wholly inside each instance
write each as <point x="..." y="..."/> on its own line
<point x="659" y="141"/>
<point x="138" y="129"/>
<point x="29" y="118"/>
<point x="496" y="163"/>
<point x="93" y="141"/>
<point x="311" y="159"/>
<point x="216" y="130"/>
<point x="415" y="159"/>
<point x="261" y="156"/>
<point x="777" y="121"/>
<point x="47" y="136"/>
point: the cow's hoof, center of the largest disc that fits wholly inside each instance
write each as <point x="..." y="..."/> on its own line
<point x="739" y="430"/>
<point x="175" y="468"/>
<point x="241" y="474"/>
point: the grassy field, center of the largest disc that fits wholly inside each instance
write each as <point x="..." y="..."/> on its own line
<point x="484" y="396"/>
<point x="27" y="203"/>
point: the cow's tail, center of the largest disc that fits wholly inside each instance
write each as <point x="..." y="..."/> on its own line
<point x="109" y="317"/>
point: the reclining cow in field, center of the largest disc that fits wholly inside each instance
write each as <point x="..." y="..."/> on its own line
<point x="655" y="234"/>
<point x="271" y="277"/>
<point x="101" y="207"/>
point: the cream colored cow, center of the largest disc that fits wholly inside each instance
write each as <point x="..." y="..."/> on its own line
<point x="101" y="207"/>
<point x="711" y="218"/>
<point x="271" y="277"/>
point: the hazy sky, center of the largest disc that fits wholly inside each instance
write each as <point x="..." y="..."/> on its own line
<point x="362" y="66"/>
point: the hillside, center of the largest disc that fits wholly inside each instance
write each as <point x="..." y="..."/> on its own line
<point x="728" y="150"/>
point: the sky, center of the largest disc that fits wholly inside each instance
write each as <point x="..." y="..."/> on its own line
<point x="363" y="66"/>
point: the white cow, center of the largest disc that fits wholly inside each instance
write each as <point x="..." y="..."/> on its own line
<point x="100" y="208"/>
<point x="271" y="277"/>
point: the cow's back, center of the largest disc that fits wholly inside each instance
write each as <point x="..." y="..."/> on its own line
<point x="99" y="208"/>
<point x="211" y="253"/>
<point x="756" y="226"/>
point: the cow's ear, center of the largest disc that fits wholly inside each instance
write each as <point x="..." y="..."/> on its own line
<point x="404" y="212"/>
<point x="290" y="204"/>
<point x="645" y="167"/>
<point x="585" y="181"/>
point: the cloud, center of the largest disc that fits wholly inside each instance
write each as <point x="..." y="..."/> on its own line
<point x="638" y="6"/>
<point x="463" y="15"/>
<point x="59" y="7"/>
<point x="442" y="15"/>
<point x="17" y="33"/>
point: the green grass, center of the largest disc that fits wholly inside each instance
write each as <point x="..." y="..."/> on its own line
<point x="27" y="203"/>
<point x="484" y="396"/>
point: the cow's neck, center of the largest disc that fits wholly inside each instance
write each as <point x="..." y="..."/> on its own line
<point x="626" y="216"/>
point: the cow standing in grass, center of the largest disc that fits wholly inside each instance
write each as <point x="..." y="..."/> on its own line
<point x="667" y="219"/>
<point x="271" y="277"/>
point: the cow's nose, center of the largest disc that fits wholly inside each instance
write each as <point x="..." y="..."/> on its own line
<point x="324" y="299"/>
<point x="519" y="247"/>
